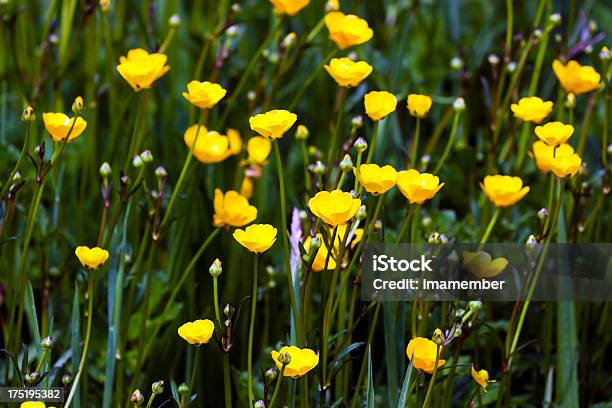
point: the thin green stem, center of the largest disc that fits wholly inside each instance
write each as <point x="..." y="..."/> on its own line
<point x="337" y="128"/>
<point x="227" y="382"/>
<point x="277" y="387"/>
<point x="415" y="143"/>
<point x="216" y="300"/>
<point x="359" y="155"/>
<point x="432" y="380"/>
<point x="372" y="146"/>
<point x="310" y="80"/>
<point x="449" y="144"/>
<point x="19" y="160"/>
<point x="490" y="226"/>
<point x="252" y="329"/>
<point x="405" y="224"/>
<point x="194" y="369"/>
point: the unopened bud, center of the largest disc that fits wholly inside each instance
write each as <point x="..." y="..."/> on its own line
<point x="434" y="238"/>
<point x="232" y="32"/>
<point x="360" y="145"/>
<point x="137" y="162"/>
<point x="315" y="244"/>
<point x="555" y="19"/>
<point x="493" y="59"/>
<point x="511" y="67"/>
<point x="77" y="105"/>
<point x="271" y="374"/>
<point x="459" y="104"/>
<point x="475" y="305"/>
<point x="318" y="168"/>
<point x="46" y="343"/>
<point x="426" y="221"/>
<point x="17" y="177"/>
<point x="183" y="389"/>
<point x="160" y="172"/>
<point x="302" y="132"/>
<point x="105" y="5"/>
<point x="303" y="215"/>
<point x="570" y="100"/>
<point x="332" y="5"/>
<point x="604" y="54"/>
<point x="146" y="156"/>
<point x="174" y="21"/>
<point x="458" y="332"/>
<point x="236" y="8"/>
<point x="28" y="114"/>
<point x="443" y="239"/>
<point x="251" y="95"/>
<point x="346" y="164"/>
<point x="66" y="379"/>
<point x="543" y="214"/>
<point x="215" y="269"/>
<point x="537" y="33"/>
<point x="137" y="397"/>
<point x="260" y="404"/>
<point x="289" y="40"/>
<point x="284" y="358"/>
<point x="438" y="337"/>
<point x="105" y="170"/>
<point x="356" y="123"/>
<point x="157" y="387"/>
<point x="456" y="63"/>
<point x="362" y="213"/>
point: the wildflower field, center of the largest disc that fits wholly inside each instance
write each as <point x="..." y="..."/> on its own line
<point x="189" y="191"/>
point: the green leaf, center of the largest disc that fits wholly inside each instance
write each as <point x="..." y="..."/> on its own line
<point x="370" y="392"/>
<point x="75" y="340"/>
<point x="403" y="398"/>
<point x="30" y="311"/>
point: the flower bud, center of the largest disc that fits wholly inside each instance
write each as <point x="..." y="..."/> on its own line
<point x="46" y="343"/>
<point x="604" y="54"/>
<point x="511" y="67"/>
<point x="570" y="100"/>
<point x="183" y="389"/>
<point x="105" y="170"/>
<point x="146" y="156"/>
<point x="77" y="105"/>
<point x="271" y="374"/>
<point x="284" y="358"/>
<point x="105" y="5"/>
<point x="493" y="59"/>
<point x="356" y="123"/>
<point x="543" y="214"/>
<point x="251" y="95"/>
<point x="458" y="331"/>
<point x="160" y="172"/>
<point x="459" y="104"/>
<point x="174" y="21"/>
<point x="426" y="221"/>
<point x="475" y="305"/>
<point x="443" y="239"/>
<point x="537" y="33"/>
<point x="434" y="238"/>
<point x="66" y="379"/>
<point x="260" y="404"/>
<point x="232" y="32"/>
<point x="28" y="114"/>
<point x="555" y="19"/>
<point x="360" y="145"/>
<point x="17" y="177"/>
<point x="137" y="398"/>
<point x="456" y="63"/>
<point x="362" y="213"/>
<point x="215" y="268"/>
<point x="236" y="8"/>
<point x="157" y="387"/>
<point x="303" y="215"/>
<point x="289" y="40"/>
<point x="438" y="337"/>
<point x="346" y="164"/>
<point x="302" y="132"/>
<point x="137" y="162"/>
<point x="318" y="168"/>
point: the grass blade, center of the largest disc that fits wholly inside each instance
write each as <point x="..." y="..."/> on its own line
<point x="370" y="397"/>
<point x="30" y="311"/>
<point x="403" y="398"/>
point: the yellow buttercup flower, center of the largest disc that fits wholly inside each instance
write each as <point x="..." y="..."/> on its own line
<point x="379" y="104"/>
<point x="32" y="404"/>
<point x="422" y="353"/>
<point x="481" y="265"/>
<point x="302" y="361"/>
<point x="258" y="148"/>
<point x="232" y="209"/>
<point x="347" y="72"/>
<point x="256" y="238"/>
<point x="565" y="163"/>
<point x="290" y="7"/>
<point x="91" y="258"/>
<point x="347" y="30"/>
<point x="334" y="208"/>
<point x="205" y="94"/>
<point x="544" y="154"/>
<point x="58" y="125"/>
<point x="504" y="191"/>
<point x="210" y="147"/>
<point x="273" y="124"/>
<point x="554" y="133"/>
<point x="235" y="141"/>
<point x="532" y="109"/>
<point x="576" y="78"/>
<point x="418" y="187"/>
<point x="418" y="105"/>
<point x="481" y="377"/>
<point x="376" y="179"/>
<point x="198" y="332"/>
<point x="141" y="69"/>
<point x="246" y="187"/>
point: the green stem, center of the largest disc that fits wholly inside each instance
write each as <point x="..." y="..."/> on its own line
<point x="227" y="382"/>
<point x="19" y="160"/>
<point x="359" y="155"/>
<point x="281" y="186"/>
<point x="416" y="216"/>
<point x="136" y="130"/>
<point x="337" y="128"/>
<point x="310" y="80"/>
<point x="433" y="379"/>
<point x="277" y="387"/>
<point x="90" y="294"/>
<point x="405" y="225"/>
<point x="252" y="330"/>
<point x="216" y="300"/>
<point x="194" y="369"/>
<point x="449" y="144"/>
<point x="372" y="147"/>
<point x="415" y="143"/>
<point x="151" y="398"/>
<point x="487" y="232"/>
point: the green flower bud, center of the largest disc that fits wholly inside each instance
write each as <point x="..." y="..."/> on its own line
<point x="28" y="114"/>
<point x="438" y="337"/>
<point x="346" y="164"/>
<point x="137" y="398"/>
<point x="46" y="343"/>
<point x="157" y="387"/>
<point x="183" y="389"/>
<point x="77" y="105"/>
<point x="215" y="268"/>
<point x="459" y="105"/>
<point x="302" y="132"/>
<point x="284" y="358"/>
<point x="174" y="21"/>
<point x="105" y="170"/>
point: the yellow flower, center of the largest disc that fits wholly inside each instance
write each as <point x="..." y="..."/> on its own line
<point x="418" y="187"/>
<point x="554" y="133"/>
<point x="141" y="69"/>
<point x="334" y="208"/>
<point x="58" y="125"/>
<point x="504" y="191"/>
<point x="205" y="94"/>
<point x="302" y="361"/>
<point x="532" y="109"/>
<point x="481" y="377"/>
<point x="543" y="154"/>
<point x="258" y="148"/>
<point x="256" y="238"/>
<point x="418" y="105"/>
<point x="565" y="163"/>
<point x="291" y="7"/>
<point x="91" y="258"/>
<point x="481" y="265"/>
<point x="273" y="124"/>
<point x="235" y="141"/>
<point x="318" y="264"/>
<point x="210" y="147"/>
<point x="198" y="332"/>
<point x="376" y="179"/>
<point x="379" y="104"/>
<point x="232" y="209"/>
<point x="246" y="187"/>
<point x="422" y="353"/>
<point x="32" y="404"/>
<point x="576" y="78"/>
<point x="347" y="30"/>
<point x="347" y="72"/>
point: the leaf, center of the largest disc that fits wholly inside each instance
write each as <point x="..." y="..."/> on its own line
<point x="175" y="394"/>
<point x="403" y="398"/>
<point x="370" y="392"/>
<point x="30" y="310"/>
<point x="15" y="365"/>
<point x="75" y="340"/>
